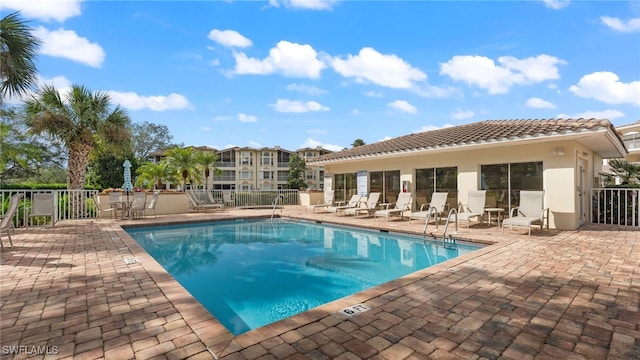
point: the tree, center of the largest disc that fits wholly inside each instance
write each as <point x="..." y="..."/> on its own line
<point x="82" y="122"/>
<point x="185" y="164"/>
<point x="25" y="156"/>
<point x="208" y="159"/>
<point x="147" y="137"/>
<point x="629" y="173"/>
<point x="18" y="50"/>
<point x="155" y="173"/>
<point x="357" y="142"/>
<point x="297" y="168"/>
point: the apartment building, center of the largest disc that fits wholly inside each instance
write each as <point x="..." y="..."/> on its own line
<point x="246" y="168"/>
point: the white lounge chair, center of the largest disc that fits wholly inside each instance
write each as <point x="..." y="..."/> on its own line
<point x="474" y="208"/>
<point x="369" y="207"/>
<point x="6" y="224"/>
<point x="99" y="208"/>
<point x="531" y="211"/>
<point x="402" y="205"/>
<point x="436" y="208"/>
<point x="152" y="204"/>
<point x="355" y="201"/>
<point x="323" y="204"/>
<point x="43" y="205"/>
<point x="138" y="205"/>
<point x="199" y="205"/>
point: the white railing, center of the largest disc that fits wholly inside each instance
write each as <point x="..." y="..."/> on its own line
<point x="255" y="197"/>
<point x="615" y="206"/>
<point x="68" y="204"/>
<point x="79" y="204"/>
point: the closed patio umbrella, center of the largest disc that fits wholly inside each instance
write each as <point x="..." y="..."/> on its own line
<point x="127" y="186"/>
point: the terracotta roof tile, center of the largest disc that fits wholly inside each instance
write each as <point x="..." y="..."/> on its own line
<point x="475" y="133"/>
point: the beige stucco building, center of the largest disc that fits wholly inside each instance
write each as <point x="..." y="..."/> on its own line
<point x="561" y="157"/>
<point x="246" y="168"/>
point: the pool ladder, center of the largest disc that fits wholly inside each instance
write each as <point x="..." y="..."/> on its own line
<point x="280" y="199"/>
<point x="433" y="210"/>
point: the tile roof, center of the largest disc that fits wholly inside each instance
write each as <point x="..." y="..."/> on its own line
<point x="489" y="131"/>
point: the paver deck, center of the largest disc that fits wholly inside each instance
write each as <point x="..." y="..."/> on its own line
<point x="86" y="290"/>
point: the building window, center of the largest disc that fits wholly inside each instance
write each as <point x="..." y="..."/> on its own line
<point x="246" y="158"/>
<point x="267" y="159"/>
<point x="265" y="175"/>
<point x="387" y="183"/>
<point x="345" y="186"/>
<point x="246" y="175"/>
<point x="504" y="182"/>
<point x="309" y="175"/>
<point x="432" y="180"/>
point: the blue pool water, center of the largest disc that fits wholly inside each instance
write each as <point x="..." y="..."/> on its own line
<point x="250" y="273"/>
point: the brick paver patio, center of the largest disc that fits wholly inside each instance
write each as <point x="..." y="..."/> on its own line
<point x="74" y="292"/>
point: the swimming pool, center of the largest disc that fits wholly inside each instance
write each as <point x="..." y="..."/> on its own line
<point x="250" y="273"/>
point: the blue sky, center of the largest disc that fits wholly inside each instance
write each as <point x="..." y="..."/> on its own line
<point x="307" y="73"/>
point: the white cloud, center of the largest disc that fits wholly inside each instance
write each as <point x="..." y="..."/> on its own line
<point x="304" y="4"/>
<point x="205" y="128"/>
<point x="606" y="87"/>
<point x="306" y="89"/>
<point x="288" y="59"/>
<point x="460" y="114"/>
<point x="540" y="103"/>
<point x="556" y="4"/>
<point x="632" y="25"/>
<point x="604" y="114"/>
<point x="373" y="67"/>
<point x="45" y="10"/>
<point x="133" y="101"/>
<point x="222" y="118"/>
<point x="67" y="44"/>
<point x="229" y="38"/>
<point x="311" y="143"/>
<point x="499" y="78"/>
<point x="404" y="106"/>
<point x="242" y="117"/>
<point x="295" y="106"/>
<point x="254" y="144"/>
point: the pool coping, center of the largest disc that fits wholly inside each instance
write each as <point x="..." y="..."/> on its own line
<point x="221" y="342"/>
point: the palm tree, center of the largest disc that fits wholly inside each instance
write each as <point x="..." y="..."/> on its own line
<point x="206" y="159"/>
<point x="357" y="142"/>
<point x="628" y="173"/>
<point x="82" y="121"/>
<point x="184" y="161"/>
<point x="155" y="173"/>
<point x="18" y="50"/>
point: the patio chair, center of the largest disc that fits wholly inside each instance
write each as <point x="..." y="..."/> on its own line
<point x="403" y="204"/>
<point x="435" y="209"/>
<point x="355" y="201"/>
<point x="369" y="207"/>
<point x="115" y="200"/>
<point x="474" y="208"/>
<point x="323" y="204"/>
<point x="99" y="208"/>
<point x="152" y="204"/>
<point x="531" y="211"/>
<point x="199" y="205"/>
<point x="43" y="205"/>
<point x="227" y="198"/>
<point x="138" y="205"/>
<point x="6" y="224"/>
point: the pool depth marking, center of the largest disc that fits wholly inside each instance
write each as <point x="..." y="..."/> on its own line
<point x="354" y="310"/>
